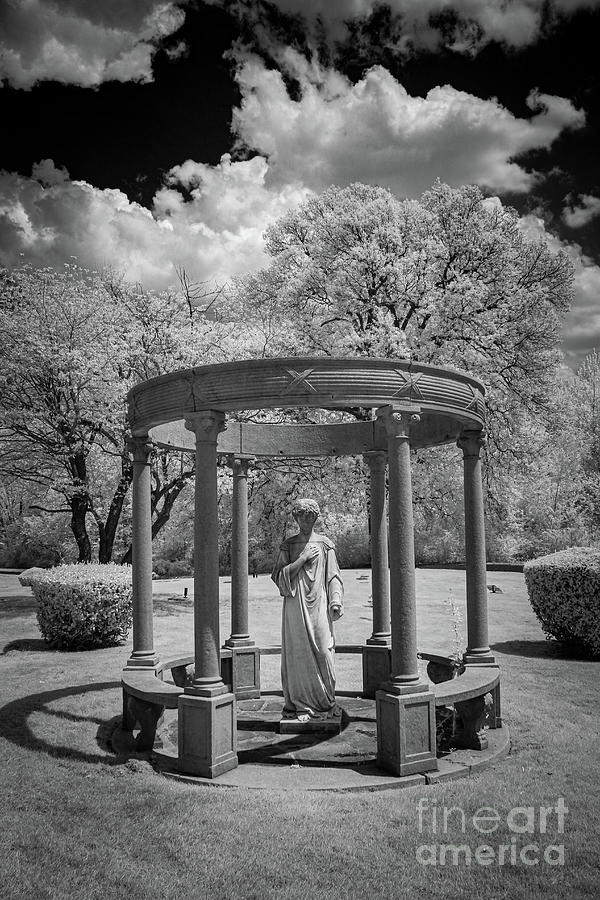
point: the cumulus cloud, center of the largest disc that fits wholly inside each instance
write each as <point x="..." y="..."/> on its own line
<point x="461" y="25"/>
<point x="83" y="42"/>
<point x="214" y="234"/>
<point x="208" y="219"/>
<point x="337" y="132"/>
<point x="577" y="215"/>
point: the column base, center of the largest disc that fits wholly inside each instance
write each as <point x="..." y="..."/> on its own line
<point x="209" y="690"/>
<point x="242" y="671"/>
<point x="234" y="641"/>
<point x="149" y="663"/>
<point x="399" y="689"/>
<point x="376" y="667"/>
<point x="380" y="640"/>
<point x="406" y="732"/>
<point x="486" y="658"/>
<point x="207" y="735"/>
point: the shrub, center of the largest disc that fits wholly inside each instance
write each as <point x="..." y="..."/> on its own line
<point x="564" y="592"/>
<point x="352" y="546"/>
<point x="35" y="541"/>
<point x="436" y="544"/>
<point x="27" y="577"/>
<point x="172" y="568"/>
<point x="81" y="607"/>
<point x="179" y="568"/>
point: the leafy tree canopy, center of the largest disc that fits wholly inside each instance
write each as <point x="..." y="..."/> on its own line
<point x="450" y="279"/>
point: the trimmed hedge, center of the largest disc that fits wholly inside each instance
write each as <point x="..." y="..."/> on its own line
<point x="83" y="606"/>
<point x="564" y="592"/>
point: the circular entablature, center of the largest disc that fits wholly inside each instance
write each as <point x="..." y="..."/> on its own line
<point x="447" y="401"/>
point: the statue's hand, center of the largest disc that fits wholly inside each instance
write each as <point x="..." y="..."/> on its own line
<point x="336" y="612"/>
<point x="310" y="552"/>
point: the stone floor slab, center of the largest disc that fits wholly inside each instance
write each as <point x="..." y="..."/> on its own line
<point x="317" y="761"/>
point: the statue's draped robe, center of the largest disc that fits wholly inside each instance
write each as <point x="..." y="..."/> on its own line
<point x="307" y="639"/>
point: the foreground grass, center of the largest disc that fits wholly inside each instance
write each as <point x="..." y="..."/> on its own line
<point x="76" y="822"/>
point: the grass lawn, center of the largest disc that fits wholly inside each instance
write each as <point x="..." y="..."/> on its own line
<point x="77" y="822"/>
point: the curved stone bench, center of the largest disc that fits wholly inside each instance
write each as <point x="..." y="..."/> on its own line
<point x="475" y="681"/>
<point x="146" y="695"/>
<point x="474" y="695"/>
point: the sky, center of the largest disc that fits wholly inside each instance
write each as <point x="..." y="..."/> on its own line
<point x="150" y="135"/>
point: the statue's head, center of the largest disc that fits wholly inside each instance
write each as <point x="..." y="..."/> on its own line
<point x="305" y="508"/>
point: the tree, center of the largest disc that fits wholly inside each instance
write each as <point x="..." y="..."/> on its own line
<point x="73" y="343"/>
<point x="449" y="280"/>
<point x="578" y="428"/>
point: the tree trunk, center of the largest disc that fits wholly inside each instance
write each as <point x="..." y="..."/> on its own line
<point x="79" y="509"/>
<point x="162" y="515"/>
<point x="80" y="506"/>
<point x="107" y="531"/>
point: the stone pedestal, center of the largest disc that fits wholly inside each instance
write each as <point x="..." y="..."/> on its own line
<point x="242" y="671"/>
<point x="406" y="732"/>
<point x="376" y="667"/>
<point x="207" y="735"/>
<point x="328" y="726"/>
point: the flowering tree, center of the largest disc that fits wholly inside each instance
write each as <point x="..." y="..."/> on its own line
<point x="73" y="344"/>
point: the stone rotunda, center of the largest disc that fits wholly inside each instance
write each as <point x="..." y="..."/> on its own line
<point x="412" y="406"/>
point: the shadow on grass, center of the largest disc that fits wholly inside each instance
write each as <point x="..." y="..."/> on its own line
<point x="14" y="724"/>
<point x="26" y="644"/>
<point x="544" y="649"/>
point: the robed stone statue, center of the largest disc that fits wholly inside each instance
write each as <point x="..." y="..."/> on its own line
<point x="309" y="580"/>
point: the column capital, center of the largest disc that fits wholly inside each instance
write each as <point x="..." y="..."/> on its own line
<point x="239" y="464"/>
<point x="471" y="442"/>
<point x="140" y="446"/>
<point x="206" y="425"/>
<point x="397" y="420"/>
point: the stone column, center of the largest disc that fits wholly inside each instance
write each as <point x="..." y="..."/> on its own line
<point x="376" y="659"/>
<point x="405" y="704"/>
<point x="239" y="554"/>
<point x="143" y="654"/>
<point x="478" y="650"/>
<point x="207" y="721"/>
<point x="242" y="668"/>
<point x="405" y="673"/>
